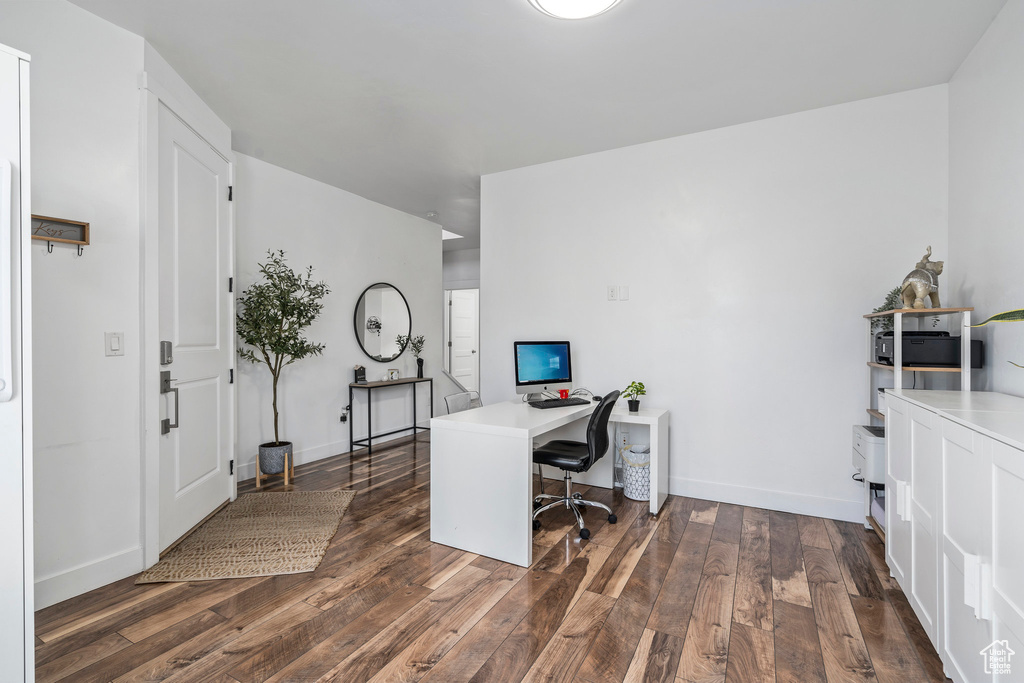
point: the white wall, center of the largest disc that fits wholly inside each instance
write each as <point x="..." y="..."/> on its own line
<point x="351" y="243"/>
<point x="986" y="192"/>
<point x="461" y="269"/>
<point x="85" y="149"/>
<point x="85" y="118"/>
<point x="751" y="253"/>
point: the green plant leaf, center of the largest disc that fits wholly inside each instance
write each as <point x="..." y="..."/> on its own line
<point x="1004" y="317"/>
<point x="892" y="301"/>
<point x="415" y="343"/>
<point x="634" y="391"/>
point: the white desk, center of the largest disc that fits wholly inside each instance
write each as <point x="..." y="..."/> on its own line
<point x="481" y="467"/>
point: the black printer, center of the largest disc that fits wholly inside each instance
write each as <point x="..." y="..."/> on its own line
<point x="929" y="348"/>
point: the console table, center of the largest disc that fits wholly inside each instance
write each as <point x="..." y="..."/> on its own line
<point x="410" y="382"/>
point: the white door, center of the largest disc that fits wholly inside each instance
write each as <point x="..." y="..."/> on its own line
<point x="465" y="333"/>
<point x="16" y="598"/>
<point x="196" y="316"/>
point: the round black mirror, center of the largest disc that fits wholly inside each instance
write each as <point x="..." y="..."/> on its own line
<point x="382" y="315"/>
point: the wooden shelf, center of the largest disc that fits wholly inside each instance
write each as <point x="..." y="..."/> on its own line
<point x="909" y="368"/>
<point x="875" y="413"/>
<point x="918" y="311"/>
<point x="877" y="527"/>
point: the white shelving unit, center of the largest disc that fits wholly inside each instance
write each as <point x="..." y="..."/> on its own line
<point x="900" y="316"/>
<point x="899" y="320"/>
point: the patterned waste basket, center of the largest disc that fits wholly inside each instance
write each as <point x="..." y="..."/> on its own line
<point x="636" y="483"/>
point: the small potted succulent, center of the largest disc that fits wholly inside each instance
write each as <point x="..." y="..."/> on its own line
<point x="416" y="344"/>
<point x="633" y="393"/>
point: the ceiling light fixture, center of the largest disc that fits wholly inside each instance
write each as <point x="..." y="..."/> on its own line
<point x="574" y="9"/>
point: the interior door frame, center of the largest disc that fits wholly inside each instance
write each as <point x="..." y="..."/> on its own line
<point x="205" y="125"/>
<point x="446" y="332"/>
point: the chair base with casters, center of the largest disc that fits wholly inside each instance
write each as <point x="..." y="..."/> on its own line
<point x="572" y="501"/>
<point x="576" y="456"/>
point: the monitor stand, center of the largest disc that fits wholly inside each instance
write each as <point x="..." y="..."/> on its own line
<point x="530" y="398"/>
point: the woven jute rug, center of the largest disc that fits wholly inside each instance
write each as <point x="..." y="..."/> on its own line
<point x="260" y="534"/>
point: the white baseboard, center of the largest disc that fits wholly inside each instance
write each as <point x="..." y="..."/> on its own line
<point x="247" y="470"/>
<point x="84" y="578"/>
<point x="783" y="501"/>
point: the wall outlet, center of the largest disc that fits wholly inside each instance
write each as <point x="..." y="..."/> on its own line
<point x="613" y="293"/>
<point x="623" y="439"/>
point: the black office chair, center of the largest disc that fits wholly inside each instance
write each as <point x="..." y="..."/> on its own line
<point x="575" y="456"/>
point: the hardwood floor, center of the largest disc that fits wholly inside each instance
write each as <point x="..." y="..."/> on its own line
<point x="704" y="592"/>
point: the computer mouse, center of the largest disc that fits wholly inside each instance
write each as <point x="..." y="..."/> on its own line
<point x="596" y="399"/>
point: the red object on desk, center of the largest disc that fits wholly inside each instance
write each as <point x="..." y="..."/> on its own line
<point x="563" y="393"/>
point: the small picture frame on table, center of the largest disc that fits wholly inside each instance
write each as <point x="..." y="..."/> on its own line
<point x="393" y="374"/>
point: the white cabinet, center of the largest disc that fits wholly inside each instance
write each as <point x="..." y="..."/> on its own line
<point x="955" y="543"/>
<point x="1007" y="569"/>
<point x="923" y="502"/>
<point x="897" y="490"/>
<point x="966" y="551"/>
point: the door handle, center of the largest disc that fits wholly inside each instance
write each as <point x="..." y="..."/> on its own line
<point x="166" y="388"/>
<point x="473" y="351"/>
<point x="903" y="500"/>
<point x="978" y="586"/>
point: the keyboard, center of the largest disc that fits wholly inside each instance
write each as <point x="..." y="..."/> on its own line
<point x="559" y="402"/>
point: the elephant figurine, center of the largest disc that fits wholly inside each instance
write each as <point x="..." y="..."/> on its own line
<point x="921" y="281"/>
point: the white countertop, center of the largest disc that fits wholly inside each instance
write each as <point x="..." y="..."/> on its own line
<point x="511" y="418"/>
<point x="516" y="418"/>
<point x="999" y="416"/>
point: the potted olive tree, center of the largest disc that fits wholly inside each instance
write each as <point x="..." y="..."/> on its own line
<point x="272" y="314"/>
<point x="633" y="393"/>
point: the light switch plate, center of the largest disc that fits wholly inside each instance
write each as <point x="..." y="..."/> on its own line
<point x="623" y="292"/>
<point x="113" y="343"/>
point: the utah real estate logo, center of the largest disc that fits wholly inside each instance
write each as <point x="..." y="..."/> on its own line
<point x="997" y="657"/>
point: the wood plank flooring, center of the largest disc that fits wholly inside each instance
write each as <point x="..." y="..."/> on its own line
<point x="704" y="592"/>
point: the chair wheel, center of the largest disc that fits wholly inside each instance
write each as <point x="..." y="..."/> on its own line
<point x="536" y="524"/>
<point x="577" y="496"/>
<point x="612" y="519"/>
<point x="584" y="533"/>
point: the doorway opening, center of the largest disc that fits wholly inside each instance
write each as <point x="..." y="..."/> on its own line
<point x="462" y="336"/>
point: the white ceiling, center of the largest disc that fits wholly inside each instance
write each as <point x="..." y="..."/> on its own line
<point x="408" y="102"/>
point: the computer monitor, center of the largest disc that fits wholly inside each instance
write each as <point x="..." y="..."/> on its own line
<point x="542" y="366"/>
